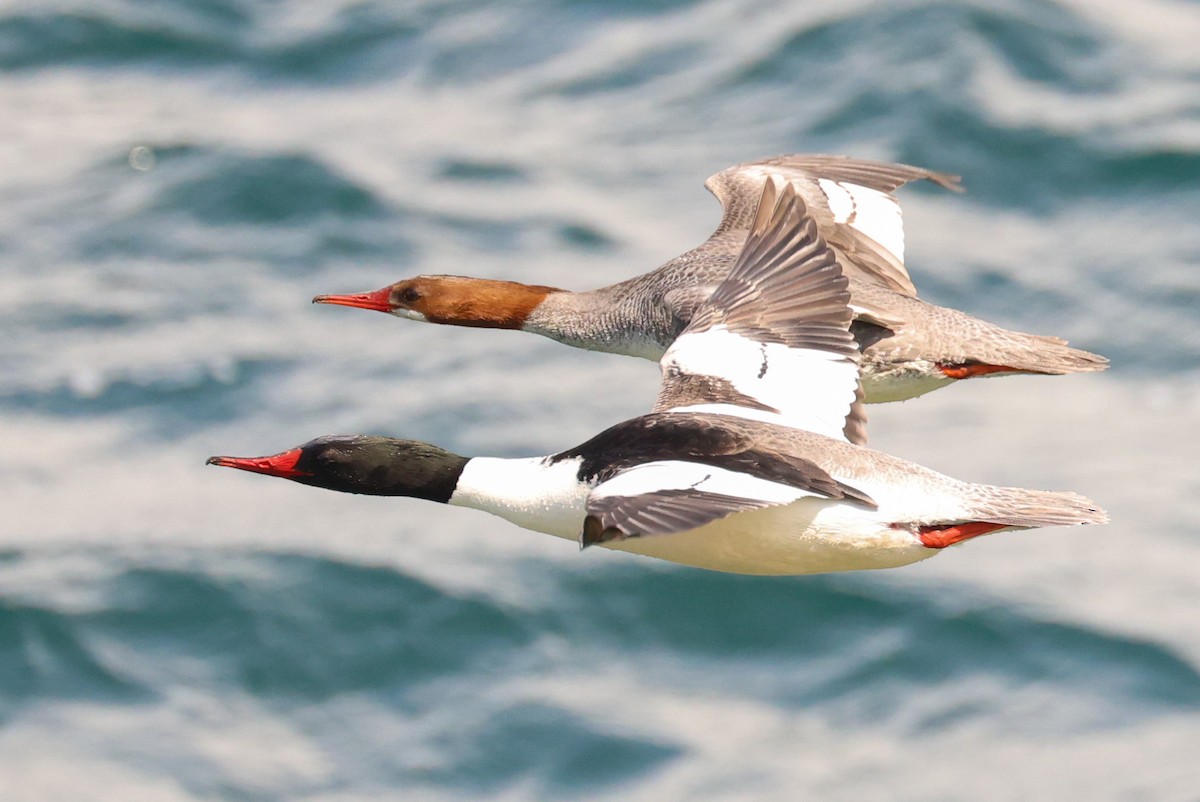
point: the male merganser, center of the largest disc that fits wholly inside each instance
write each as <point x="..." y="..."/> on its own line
<point x="742" y="466"/>
<point x="909" y="347"/>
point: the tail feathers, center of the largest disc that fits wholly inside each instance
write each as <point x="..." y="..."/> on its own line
<point x="982" y="344"/>
<point x="1053" y="358"/>
<point x="1013" y="506"/>
<point x="1047" y="338"/>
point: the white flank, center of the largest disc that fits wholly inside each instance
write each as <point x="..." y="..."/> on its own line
<point x="529" y="492"/>
<point x="869" y="211"/>
<point x="678" y="475"/>
<point x="900" y="383"/>
<point x="811" y="388"/>
<point x="803" y="533"/>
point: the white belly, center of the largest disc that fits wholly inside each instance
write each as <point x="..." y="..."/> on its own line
<point x="809" y="536"/>
<point x="883" y="384"/>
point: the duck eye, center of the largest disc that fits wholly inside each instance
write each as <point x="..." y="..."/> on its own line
<point x="410" y="295"/>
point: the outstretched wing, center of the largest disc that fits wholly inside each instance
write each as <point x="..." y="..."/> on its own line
<point x="772" y="342"/>
<point x="667" y="473"/>
<point x="662" y="498"/>
<point x="770" y="345"/>
<point x="851" y="201"/>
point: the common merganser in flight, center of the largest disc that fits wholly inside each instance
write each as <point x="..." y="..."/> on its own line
<point x="742" y="466"/>
<point x="908" y="347"/>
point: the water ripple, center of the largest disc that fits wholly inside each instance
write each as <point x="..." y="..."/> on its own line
<point x="353" y="42"/>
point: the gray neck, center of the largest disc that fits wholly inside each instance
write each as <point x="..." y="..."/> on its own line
<point x="614" y="319"/>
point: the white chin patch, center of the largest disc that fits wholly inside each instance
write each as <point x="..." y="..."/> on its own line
<point x="409" y="314"/>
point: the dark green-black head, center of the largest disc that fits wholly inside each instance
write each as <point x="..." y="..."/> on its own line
<point x="367" y="464"/>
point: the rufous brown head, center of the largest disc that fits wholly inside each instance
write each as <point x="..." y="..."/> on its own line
<point x="451" y="300"/>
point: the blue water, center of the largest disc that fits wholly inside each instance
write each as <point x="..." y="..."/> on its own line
<point x="179" y="179"/>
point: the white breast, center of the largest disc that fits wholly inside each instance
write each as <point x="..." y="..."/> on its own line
<point x="532" y="493"/>
<point x="805" y="537"/>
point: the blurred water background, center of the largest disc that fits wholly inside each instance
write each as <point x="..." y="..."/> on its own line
<point x="178" y="179"/>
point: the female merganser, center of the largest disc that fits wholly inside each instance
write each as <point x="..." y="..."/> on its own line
<point x="742" y="466"/>
<point x="909" y="347"/>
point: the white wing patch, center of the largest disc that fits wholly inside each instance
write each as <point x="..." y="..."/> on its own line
<point x="812" y="389"/>
<point x="873" y="213"/>
<point x="652" y="477"/>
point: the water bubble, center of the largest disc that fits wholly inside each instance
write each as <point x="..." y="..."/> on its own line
<point x="141" y="158"/>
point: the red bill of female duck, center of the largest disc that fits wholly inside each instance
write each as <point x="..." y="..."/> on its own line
<point x="743" y="465"/>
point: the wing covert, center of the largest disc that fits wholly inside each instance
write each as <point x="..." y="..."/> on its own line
<point x="851" y="200"/>
<point x="673" y="495"/>
<point x="772" y="342"/>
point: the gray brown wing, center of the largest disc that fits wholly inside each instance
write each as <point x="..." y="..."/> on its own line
<point x="684" y="301"/>
<point x="870" y="248"/>
<point x="702" y="468"/>
<point x="786" y="286"/>
<point x="876" y="175"/>
<point x="660" y="512"/>
<point x="738" y="187"/>
<point x="774" y="336"/>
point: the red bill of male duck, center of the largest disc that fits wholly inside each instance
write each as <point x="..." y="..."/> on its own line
<point x="742" y="466"/>
<point x="909" y="347"/>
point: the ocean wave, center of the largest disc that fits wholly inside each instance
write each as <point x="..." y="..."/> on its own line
<point x="221" y="187"/>
<point x="47" y="654"/>
<point x="200" y="203"/>
<point x="351" y="42"/>
<point x="275" y="626"/>
<point x="854" y="636"/>
<point x="178" y="400"/>
<point x="538" y="744"/>
<point x="183" y="177"/>
<point x="470" y="693"/>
